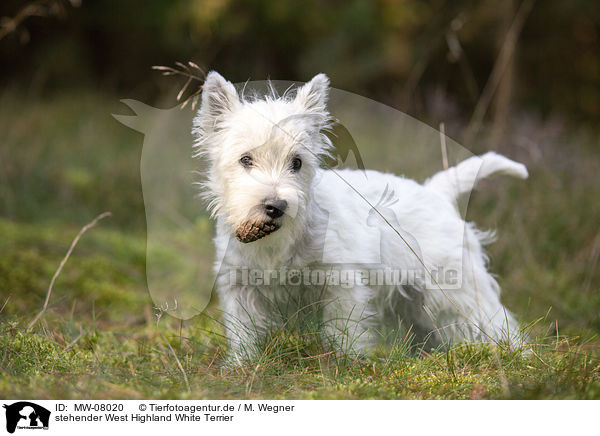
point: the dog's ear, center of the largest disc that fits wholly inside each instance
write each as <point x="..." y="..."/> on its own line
<point x="219" y="97"/>
<point x="313" y="96"/>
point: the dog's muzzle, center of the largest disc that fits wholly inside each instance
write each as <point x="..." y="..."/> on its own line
<point x="253" y="231"/>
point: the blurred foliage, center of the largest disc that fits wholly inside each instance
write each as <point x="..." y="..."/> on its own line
<point x="66" y="158"/>
<point x="396" y="51"/>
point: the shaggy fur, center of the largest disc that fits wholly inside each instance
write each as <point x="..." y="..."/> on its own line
<point x="337" y="221"/>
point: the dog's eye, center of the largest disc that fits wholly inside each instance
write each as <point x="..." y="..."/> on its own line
<point x="246" y="161"/>
<point x="296" y="164"/>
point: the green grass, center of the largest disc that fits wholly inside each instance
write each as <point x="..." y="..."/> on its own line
<point x="136" y="362"/>
<point x="64" y="160"/>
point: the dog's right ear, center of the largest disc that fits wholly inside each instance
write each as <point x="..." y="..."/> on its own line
<point x="219" y="97"/>
<point x="314" y="94"/>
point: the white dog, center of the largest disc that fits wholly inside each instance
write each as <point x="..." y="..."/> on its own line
<point x="291" y="235"/>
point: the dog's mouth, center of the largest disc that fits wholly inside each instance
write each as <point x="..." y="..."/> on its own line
<point x="253" y="231"/>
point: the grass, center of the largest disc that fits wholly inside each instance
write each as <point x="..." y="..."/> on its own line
<point x="136" y="362"/>
<point x="64" y="160"/>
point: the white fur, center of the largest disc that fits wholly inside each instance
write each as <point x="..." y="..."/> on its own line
<point x="394" y="222"/>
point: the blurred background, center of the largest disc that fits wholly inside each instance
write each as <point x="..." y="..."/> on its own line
<point x="518" y="77"/>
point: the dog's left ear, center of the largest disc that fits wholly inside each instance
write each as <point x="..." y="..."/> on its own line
<point x="313" y="96"/>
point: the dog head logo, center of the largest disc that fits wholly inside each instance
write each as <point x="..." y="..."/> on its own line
<point x="26" y="415"/>
<point x="354" y="130"/>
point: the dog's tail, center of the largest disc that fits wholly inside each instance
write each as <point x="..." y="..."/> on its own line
<point x="463" y="177"/>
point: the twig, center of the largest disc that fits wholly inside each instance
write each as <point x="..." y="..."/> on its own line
<point x="160" y="310"/>
<point x="62" y="264"/>
<point x="74" y="341"/>
<point x="457" y="54"/>
<point x="251" y="381"/>
<point x="40" y="8"/>
<point x="193" y="73"/>
<point x="318" y="356"/>
<point x="187" y="383"/>
<point x="507" y="51"/>
<point x="5" y="303"/>
<point x="443" y="145"/>
<point x="214" y="358"/>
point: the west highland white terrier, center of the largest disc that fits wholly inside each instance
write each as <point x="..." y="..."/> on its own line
<point x="365" y="247"/>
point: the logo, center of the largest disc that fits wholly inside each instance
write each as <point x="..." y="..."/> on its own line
<point x="26" y="415"/>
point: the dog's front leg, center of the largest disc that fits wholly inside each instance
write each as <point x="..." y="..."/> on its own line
<point x="245" y="325"/>
<point x="348" y="320"/>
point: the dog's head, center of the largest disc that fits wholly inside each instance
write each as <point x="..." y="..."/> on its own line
<point x="263" y="154"/>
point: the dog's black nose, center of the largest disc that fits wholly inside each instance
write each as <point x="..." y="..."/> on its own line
<point x="275" y="208"/>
